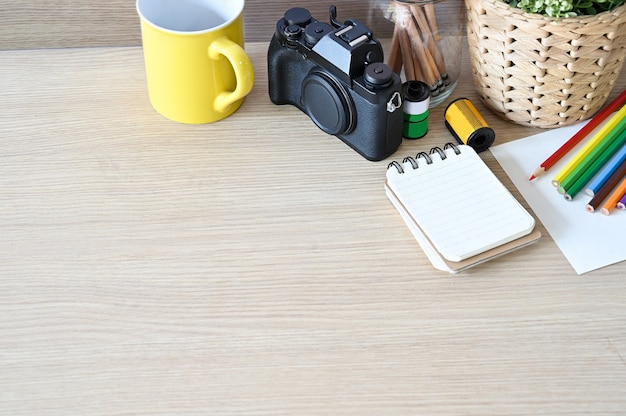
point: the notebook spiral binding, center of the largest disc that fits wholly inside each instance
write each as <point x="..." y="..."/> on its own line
<point x="426" y="156"/>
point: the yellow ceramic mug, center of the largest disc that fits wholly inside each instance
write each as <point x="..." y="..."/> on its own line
<point x="196" y="67"/>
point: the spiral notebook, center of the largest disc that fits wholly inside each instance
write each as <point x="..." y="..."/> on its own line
<point x="458" y="210"/>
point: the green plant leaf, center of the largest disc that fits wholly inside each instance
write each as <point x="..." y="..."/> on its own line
<point x="565" y="8"/>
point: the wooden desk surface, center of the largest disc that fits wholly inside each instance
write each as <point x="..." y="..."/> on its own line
<point x="255" y="266"/>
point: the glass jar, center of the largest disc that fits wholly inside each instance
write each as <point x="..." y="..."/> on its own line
<point x="427" y="43"/>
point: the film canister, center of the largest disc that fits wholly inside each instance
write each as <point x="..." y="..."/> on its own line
<point x="416" y="95"/>
<point x="468" y="126"/>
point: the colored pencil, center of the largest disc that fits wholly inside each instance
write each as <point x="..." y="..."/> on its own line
<point x="614" y="198"/>
<point x="606" y="172"/>
<point x="588" y="148"/>
<point x="581" y="134"/>
<point x="395" y="56"/>
<point x="573" y="189"/>
<point x="607" y="188"/>
<point x="615" y="135"/>
<point x="622" y="203"/>
<point x="416" y="45"/>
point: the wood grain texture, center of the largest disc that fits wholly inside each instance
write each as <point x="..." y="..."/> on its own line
<point x="32" y="24"/>
<point x="255" y="266"/>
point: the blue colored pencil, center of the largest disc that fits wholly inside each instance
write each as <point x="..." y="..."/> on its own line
<point x="606" y="172"/>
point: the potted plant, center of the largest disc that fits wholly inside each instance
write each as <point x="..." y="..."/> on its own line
<point x="546" y="63"/>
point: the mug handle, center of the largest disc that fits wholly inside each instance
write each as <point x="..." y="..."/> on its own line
<point x="242" y="66"/>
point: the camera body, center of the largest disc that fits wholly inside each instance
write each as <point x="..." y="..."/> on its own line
<point x="335" y="74"/>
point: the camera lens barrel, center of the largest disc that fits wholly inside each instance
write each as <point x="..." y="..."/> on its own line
<point x="327" y="103"/>
<point x="416" y="103"/>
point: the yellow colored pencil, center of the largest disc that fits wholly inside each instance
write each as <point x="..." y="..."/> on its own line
<point x="597" y="138"/>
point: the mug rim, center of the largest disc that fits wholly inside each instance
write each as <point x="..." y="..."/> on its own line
<point x="143" y="17"/>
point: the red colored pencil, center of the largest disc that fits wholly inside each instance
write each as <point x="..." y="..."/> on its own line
<point x="576" y="138"/>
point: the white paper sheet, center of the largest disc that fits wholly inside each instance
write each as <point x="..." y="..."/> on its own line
<point x="589" y="241"/>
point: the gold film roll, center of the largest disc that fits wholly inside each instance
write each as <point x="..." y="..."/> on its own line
<point x="468" y="126"/>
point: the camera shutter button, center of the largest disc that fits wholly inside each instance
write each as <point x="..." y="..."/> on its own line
<point x="378" y="74"/>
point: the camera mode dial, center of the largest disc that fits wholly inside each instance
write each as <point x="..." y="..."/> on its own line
<point x="298" y="16"/>
<point x="291" y="26"/>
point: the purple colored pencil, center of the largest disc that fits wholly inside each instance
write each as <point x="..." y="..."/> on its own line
<point x="622" y="203"/>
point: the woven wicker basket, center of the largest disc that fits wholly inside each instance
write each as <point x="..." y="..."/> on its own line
<point x="535" y="71"/>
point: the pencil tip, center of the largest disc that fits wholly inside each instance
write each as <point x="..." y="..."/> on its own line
<point x="538" y="172"/>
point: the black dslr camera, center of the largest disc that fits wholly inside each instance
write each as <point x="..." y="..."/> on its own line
<point x="335" y="74"/>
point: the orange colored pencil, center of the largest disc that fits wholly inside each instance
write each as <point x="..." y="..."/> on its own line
<point x="617" y="194"/>
<point x="576" y="138"/>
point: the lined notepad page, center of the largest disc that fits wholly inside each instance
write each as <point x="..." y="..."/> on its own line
<point x="459" y="204"/>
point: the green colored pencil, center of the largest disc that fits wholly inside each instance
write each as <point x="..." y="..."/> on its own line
<point x="580" y="183"/>
<point x="587" y="161"/>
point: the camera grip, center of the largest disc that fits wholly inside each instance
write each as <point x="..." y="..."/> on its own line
<point x="244" y="73"/>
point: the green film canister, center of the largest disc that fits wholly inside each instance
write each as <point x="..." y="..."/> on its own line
<point x="416" y="96"/>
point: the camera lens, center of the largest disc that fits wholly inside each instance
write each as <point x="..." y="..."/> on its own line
<point x="327" y="103"/>
<point x="378" y="74"/>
